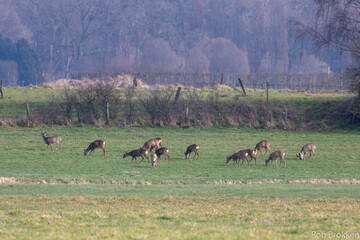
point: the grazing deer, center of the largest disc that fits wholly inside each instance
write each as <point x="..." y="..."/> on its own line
<point x="236" y="158"/>
<point x="305" y="149"/>
<point x="153" y="143"/>
<point x="273" y="156"/>
<point x="192" y="148"/>
<point x="93" y="145"/>
<point x="153" y="159"/>
<point x="51" y="140"/>
<point x="141" y="152"/>
<point x="263" y="144"/>
<point x="251" y="153"/>
<point x="163" y="151"/>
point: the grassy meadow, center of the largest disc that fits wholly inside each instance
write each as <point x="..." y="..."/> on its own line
<point x="62" y="194"/>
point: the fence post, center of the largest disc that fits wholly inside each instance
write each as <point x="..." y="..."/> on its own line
<point x="222" y="79"/>
<point x="107" y="113"/>
<point x="135" y="81"/>
<point x="176" y="97"/>
<point x="1" y="89"/>
<point x="28" y="111"/>
<point x="42" y="78"/>
<point x="242" y="86"/>
<point x="267" y="92"/>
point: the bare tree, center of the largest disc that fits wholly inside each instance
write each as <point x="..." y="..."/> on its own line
<point x="336" y="25"/>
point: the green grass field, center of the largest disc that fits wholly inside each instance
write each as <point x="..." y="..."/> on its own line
<point x="91" y="197"/>
<point x="62" y="194"/>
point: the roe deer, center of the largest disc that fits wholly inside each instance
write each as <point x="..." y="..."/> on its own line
<point x="141" y="152"/>
<point x="237" y="156"/>
<point x="163" y="151"/>
<point x="51" y="140"/>
<point x="251" y="153"/>
<point x="263" y="144"/>
<point x="305" y="149"/>
<point x="192" y="148"/>
<point x="153" y="143"/>
<point x="273" y="156"/>
<point x="153" y="159"/>
<point x="93" y="145"/>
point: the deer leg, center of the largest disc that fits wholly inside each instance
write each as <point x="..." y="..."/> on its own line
<point x="243" y="160"/>
<point x="103" y="150"/>
<point x="142" y="159"/>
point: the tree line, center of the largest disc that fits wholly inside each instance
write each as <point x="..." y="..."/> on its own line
<point x="231" y="36"/>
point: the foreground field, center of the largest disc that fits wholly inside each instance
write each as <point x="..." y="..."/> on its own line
<point x="63" y="194"/>
<point x="174" y="217"/>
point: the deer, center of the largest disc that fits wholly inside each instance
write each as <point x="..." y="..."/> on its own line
<point x="307" y="148"/>
<point x="141" y="152"/>
<point x="51" y="140"/>
<point x="236" y="158"/>
<point x="274" y="155"/>
<point x="251" y="153"/>
<point x="192" y="148"/>
<point x="153" y="160"/>
<point x="163" y="151"/>
<point x="153" y="143"/>
<point x="263" y="144"/>
<point x="93" y="145"/>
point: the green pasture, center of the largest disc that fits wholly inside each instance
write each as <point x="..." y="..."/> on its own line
<point x="65" y="195"/>
<point x="25" y="156"/>
<point x="175" y="217"/>
<point x="62" y="194"/>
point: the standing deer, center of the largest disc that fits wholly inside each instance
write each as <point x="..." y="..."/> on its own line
<point x="192" y="148"/>
<point x="273" y="156"/>
<point x="51" y="140"/>
<point x="251" y="153"/>
<point x="93" y="145"/>
<point x="305" y="149"/>
<point x="153" y="143"/>
<point x="153" y="160"/>
<point x="141" y="152"/>
<point x="263" y="144"/>
<point x="236" y="158"/>
<point x="163" y="151"/>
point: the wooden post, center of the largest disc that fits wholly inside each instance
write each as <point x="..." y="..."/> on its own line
<point x="107" y="113"/>
<point x="1" y="89"/>
<point x="286" y="115"/>
<point x="28" y="111"/>
<point x="267" y="92"/>
<point x="42" y="78"/>
<point x="242" y="86"/>
<point x="135" y="81"/>
<point x="222" y="79"/>
<point x="176" y="97"/>
<point x="187" y="115"/>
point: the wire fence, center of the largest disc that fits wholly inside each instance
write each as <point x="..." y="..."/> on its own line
<point x="293" y="81"/>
